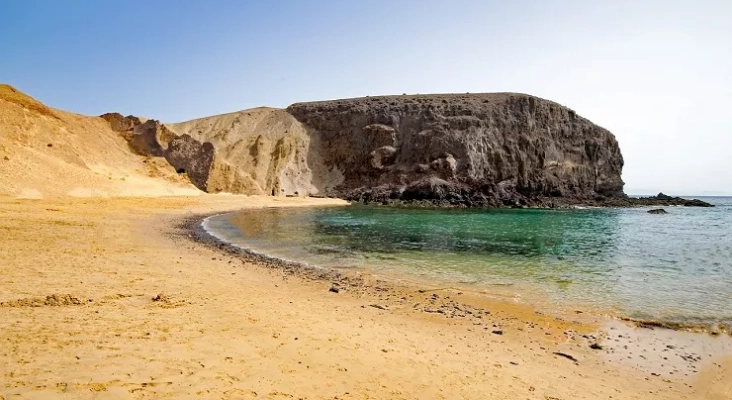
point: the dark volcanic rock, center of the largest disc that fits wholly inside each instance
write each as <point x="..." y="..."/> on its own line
<point x="493" y="149"/>
<point x="657" y="211"/>
<point x="665" y="200"/>
<point x="188" y="155"/>
<point x="150" y="138"/>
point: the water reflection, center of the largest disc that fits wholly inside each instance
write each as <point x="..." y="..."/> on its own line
<point x="676" y="266"/>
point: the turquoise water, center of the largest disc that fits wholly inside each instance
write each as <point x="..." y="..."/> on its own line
<point x="675" y="267"/>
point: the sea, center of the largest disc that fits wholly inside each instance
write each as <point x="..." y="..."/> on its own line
<point x="674" y="267"/>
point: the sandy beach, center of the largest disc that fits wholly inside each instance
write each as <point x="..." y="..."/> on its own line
<point x="110" y="298"/>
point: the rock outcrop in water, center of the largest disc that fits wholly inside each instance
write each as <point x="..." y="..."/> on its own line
<point x="473" y="149"/>
<point x="665" y="200"/>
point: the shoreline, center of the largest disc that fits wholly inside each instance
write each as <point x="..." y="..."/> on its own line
<point x="199" y="232"/>
<point x="596" y="330"/>
<point x="130" y="306"/>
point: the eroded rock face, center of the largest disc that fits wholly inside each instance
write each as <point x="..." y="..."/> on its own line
<point x="248" y="163"/>
<point x="267" y="151"/>
<point x="120" y="123"/>
<point x="191" y="157"/>
<point x="151" y="138"/>
<point x="496" y="150"/>
<point x="472" y="149"/>
<point x="187" y="155"/>
<point x="145" y="137"/>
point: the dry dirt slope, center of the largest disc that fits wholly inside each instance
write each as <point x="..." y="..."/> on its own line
<point x="48" y="153"/>
<point x="266" y="147"/>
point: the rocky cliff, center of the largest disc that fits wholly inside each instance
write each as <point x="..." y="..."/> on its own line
<point x="499" y="149"/>
<point x="494" y="149"/>
<point x="472" y="149"/>
<point x="475" y="149"/>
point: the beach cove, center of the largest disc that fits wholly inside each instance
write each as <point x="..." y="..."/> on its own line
<point x="671" y="270"/>
<point x="111" y="298"/>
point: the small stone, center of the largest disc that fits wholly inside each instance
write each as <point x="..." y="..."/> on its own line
<point x="596" y="346"/>
<point x="334" y="289"/>
<point x="497" y="332"/>
<point x="715" y="330"/>
<point x="565" y="355"/>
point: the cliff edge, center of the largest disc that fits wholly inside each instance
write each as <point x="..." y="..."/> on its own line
<point x="492" y="149"/>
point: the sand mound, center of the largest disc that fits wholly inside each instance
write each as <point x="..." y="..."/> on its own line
<point x="54" y="300"/>
<point x="48" y="153"/>
<point x="164" y="300"/>
<point x="13" y="95"/>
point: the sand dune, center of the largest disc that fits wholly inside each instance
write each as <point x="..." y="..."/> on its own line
<point x="47" y="153"/>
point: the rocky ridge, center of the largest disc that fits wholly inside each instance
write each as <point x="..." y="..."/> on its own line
<point x="490" y="150"/>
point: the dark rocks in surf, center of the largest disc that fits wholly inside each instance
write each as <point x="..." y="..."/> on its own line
<point x="665" y="200"/>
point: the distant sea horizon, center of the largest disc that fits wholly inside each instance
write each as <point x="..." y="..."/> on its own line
<point x="704" y="194"/>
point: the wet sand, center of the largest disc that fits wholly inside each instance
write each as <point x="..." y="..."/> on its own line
<point x="111" y="298"/>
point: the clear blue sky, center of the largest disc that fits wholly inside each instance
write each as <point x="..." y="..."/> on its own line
<point x="656" y="73"/>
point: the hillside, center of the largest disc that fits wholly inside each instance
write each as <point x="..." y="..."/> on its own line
<point x="265" y="147"/>
<point x="491" y="149"/>
<point x="47" y="153"/>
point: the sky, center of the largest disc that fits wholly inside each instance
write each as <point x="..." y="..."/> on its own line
<point x="658" y="74"/>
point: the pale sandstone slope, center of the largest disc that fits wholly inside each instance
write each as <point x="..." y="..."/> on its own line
<point x="266" y="147"/>
<point x="46" y="153"/>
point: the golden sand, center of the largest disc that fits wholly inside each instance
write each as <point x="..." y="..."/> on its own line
<point x="104" y="298"/>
